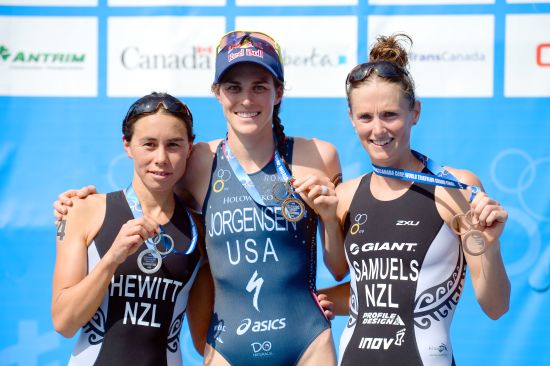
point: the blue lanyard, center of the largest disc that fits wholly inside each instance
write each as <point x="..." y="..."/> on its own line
<point x="245" y="180"/>
<point x="135" y="207"/>
<point x="440" y="176"/>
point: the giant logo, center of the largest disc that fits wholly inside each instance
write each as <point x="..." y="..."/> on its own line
<point x="355" y="248"/>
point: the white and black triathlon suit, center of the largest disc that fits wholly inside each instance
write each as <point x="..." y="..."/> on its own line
<point x="140" y="317"/>
<point x="407" y="272"/>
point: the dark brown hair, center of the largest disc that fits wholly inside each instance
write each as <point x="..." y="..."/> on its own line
<point x="388" y="51"/>
<point x="151" y="104"/>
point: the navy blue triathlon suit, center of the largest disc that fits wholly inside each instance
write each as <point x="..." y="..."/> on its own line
<point x="139" y="320"/>
<point x="265" y="309"/>
<point x="407" y="272"/>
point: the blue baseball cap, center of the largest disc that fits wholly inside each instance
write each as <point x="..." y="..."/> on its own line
<point x="256" y="47"/>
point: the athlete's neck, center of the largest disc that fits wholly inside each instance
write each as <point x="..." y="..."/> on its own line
<point x="159" y="205"/>
<point x="386" y="188"/>
<point x="252" y="151"/>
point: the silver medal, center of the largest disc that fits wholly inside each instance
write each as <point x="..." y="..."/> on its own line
<point x="149" y="261"/>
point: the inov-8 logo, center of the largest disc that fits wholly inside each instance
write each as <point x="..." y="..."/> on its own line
<point x="377" y="343"/>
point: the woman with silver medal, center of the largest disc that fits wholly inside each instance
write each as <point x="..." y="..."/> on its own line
<point x="411" y="227"/>
<point x="126" y="261"/>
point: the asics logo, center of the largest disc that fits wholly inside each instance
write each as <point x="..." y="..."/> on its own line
<point x="261" y="325"/>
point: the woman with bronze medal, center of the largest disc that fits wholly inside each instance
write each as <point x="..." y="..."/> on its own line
<point x="127" y="260"/>
<point x="411" y="228"/>
<point x="262" y="195"/>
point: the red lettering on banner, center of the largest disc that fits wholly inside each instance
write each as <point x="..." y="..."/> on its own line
<point x="204" y="49"/>
<point x="543" y="61"/>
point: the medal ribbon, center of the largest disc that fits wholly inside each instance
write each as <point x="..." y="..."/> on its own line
<point x="440" y="176"/>
<point x="135" y="207"/>
<point x="245" y="180"/>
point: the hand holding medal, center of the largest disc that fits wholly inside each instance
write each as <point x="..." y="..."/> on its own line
<point x="158" y="244"/>
<point x="292" y="208"/>
<point x="319" y="194"/>
<point x="131" y="236"/>
<point x="483" y="222"/>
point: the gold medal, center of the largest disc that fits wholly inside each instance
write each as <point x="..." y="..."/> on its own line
<point x="293" y="209"/>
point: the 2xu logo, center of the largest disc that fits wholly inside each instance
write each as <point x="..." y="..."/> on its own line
<point x="406" y="223"/>
<point x="261" y="326"/>
<point x="261" y="347"/>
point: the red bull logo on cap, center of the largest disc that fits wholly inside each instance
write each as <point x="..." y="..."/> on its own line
<point x="245" y="52"/>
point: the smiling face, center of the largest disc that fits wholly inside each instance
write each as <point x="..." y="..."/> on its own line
<point x="383" y="120"/>
<point x="160" y="147"/>
<point x="248" y="94"/>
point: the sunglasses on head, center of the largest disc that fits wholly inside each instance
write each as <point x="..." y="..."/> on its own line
<point x="151" y="103"/>
<point x="385" y="69"/>
<point x="235" y="39"/>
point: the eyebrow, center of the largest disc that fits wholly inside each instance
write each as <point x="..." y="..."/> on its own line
<point x="145" y="139"/>
<point x="259" y="81"/>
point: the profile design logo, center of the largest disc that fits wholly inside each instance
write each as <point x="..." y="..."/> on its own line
<point x="543" y="55"/>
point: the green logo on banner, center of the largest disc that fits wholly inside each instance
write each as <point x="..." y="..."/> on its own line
<point x="41" y="58"/>
<point x="4" y="52"/>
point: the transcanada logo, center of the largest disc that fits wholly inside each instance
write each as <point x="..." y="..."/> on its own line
<point x="31" y="59"/>
<point x="446" y="56"/>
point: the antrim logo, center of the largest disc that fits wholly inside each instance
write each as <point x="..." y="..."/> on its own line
<point x="4" y="53"/>
<point x="23" y="59"/>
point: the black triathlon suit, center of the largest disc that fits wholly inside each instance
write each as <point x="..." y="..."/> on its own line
<point x="140" y="317"/>
<point x="407" y="272"/>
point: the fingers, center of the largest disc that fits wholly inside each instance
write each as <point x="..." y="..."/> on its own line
<point x="86" y="191"/>
<point x="65" y="197"/>
<point x="302" y="184"/>
<point x="486" y="211"/>
<point x="148" y="226"/>
<point x="313" y="186"/>
<point x="327" y="305"/>
<point x="58" y="215"/>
